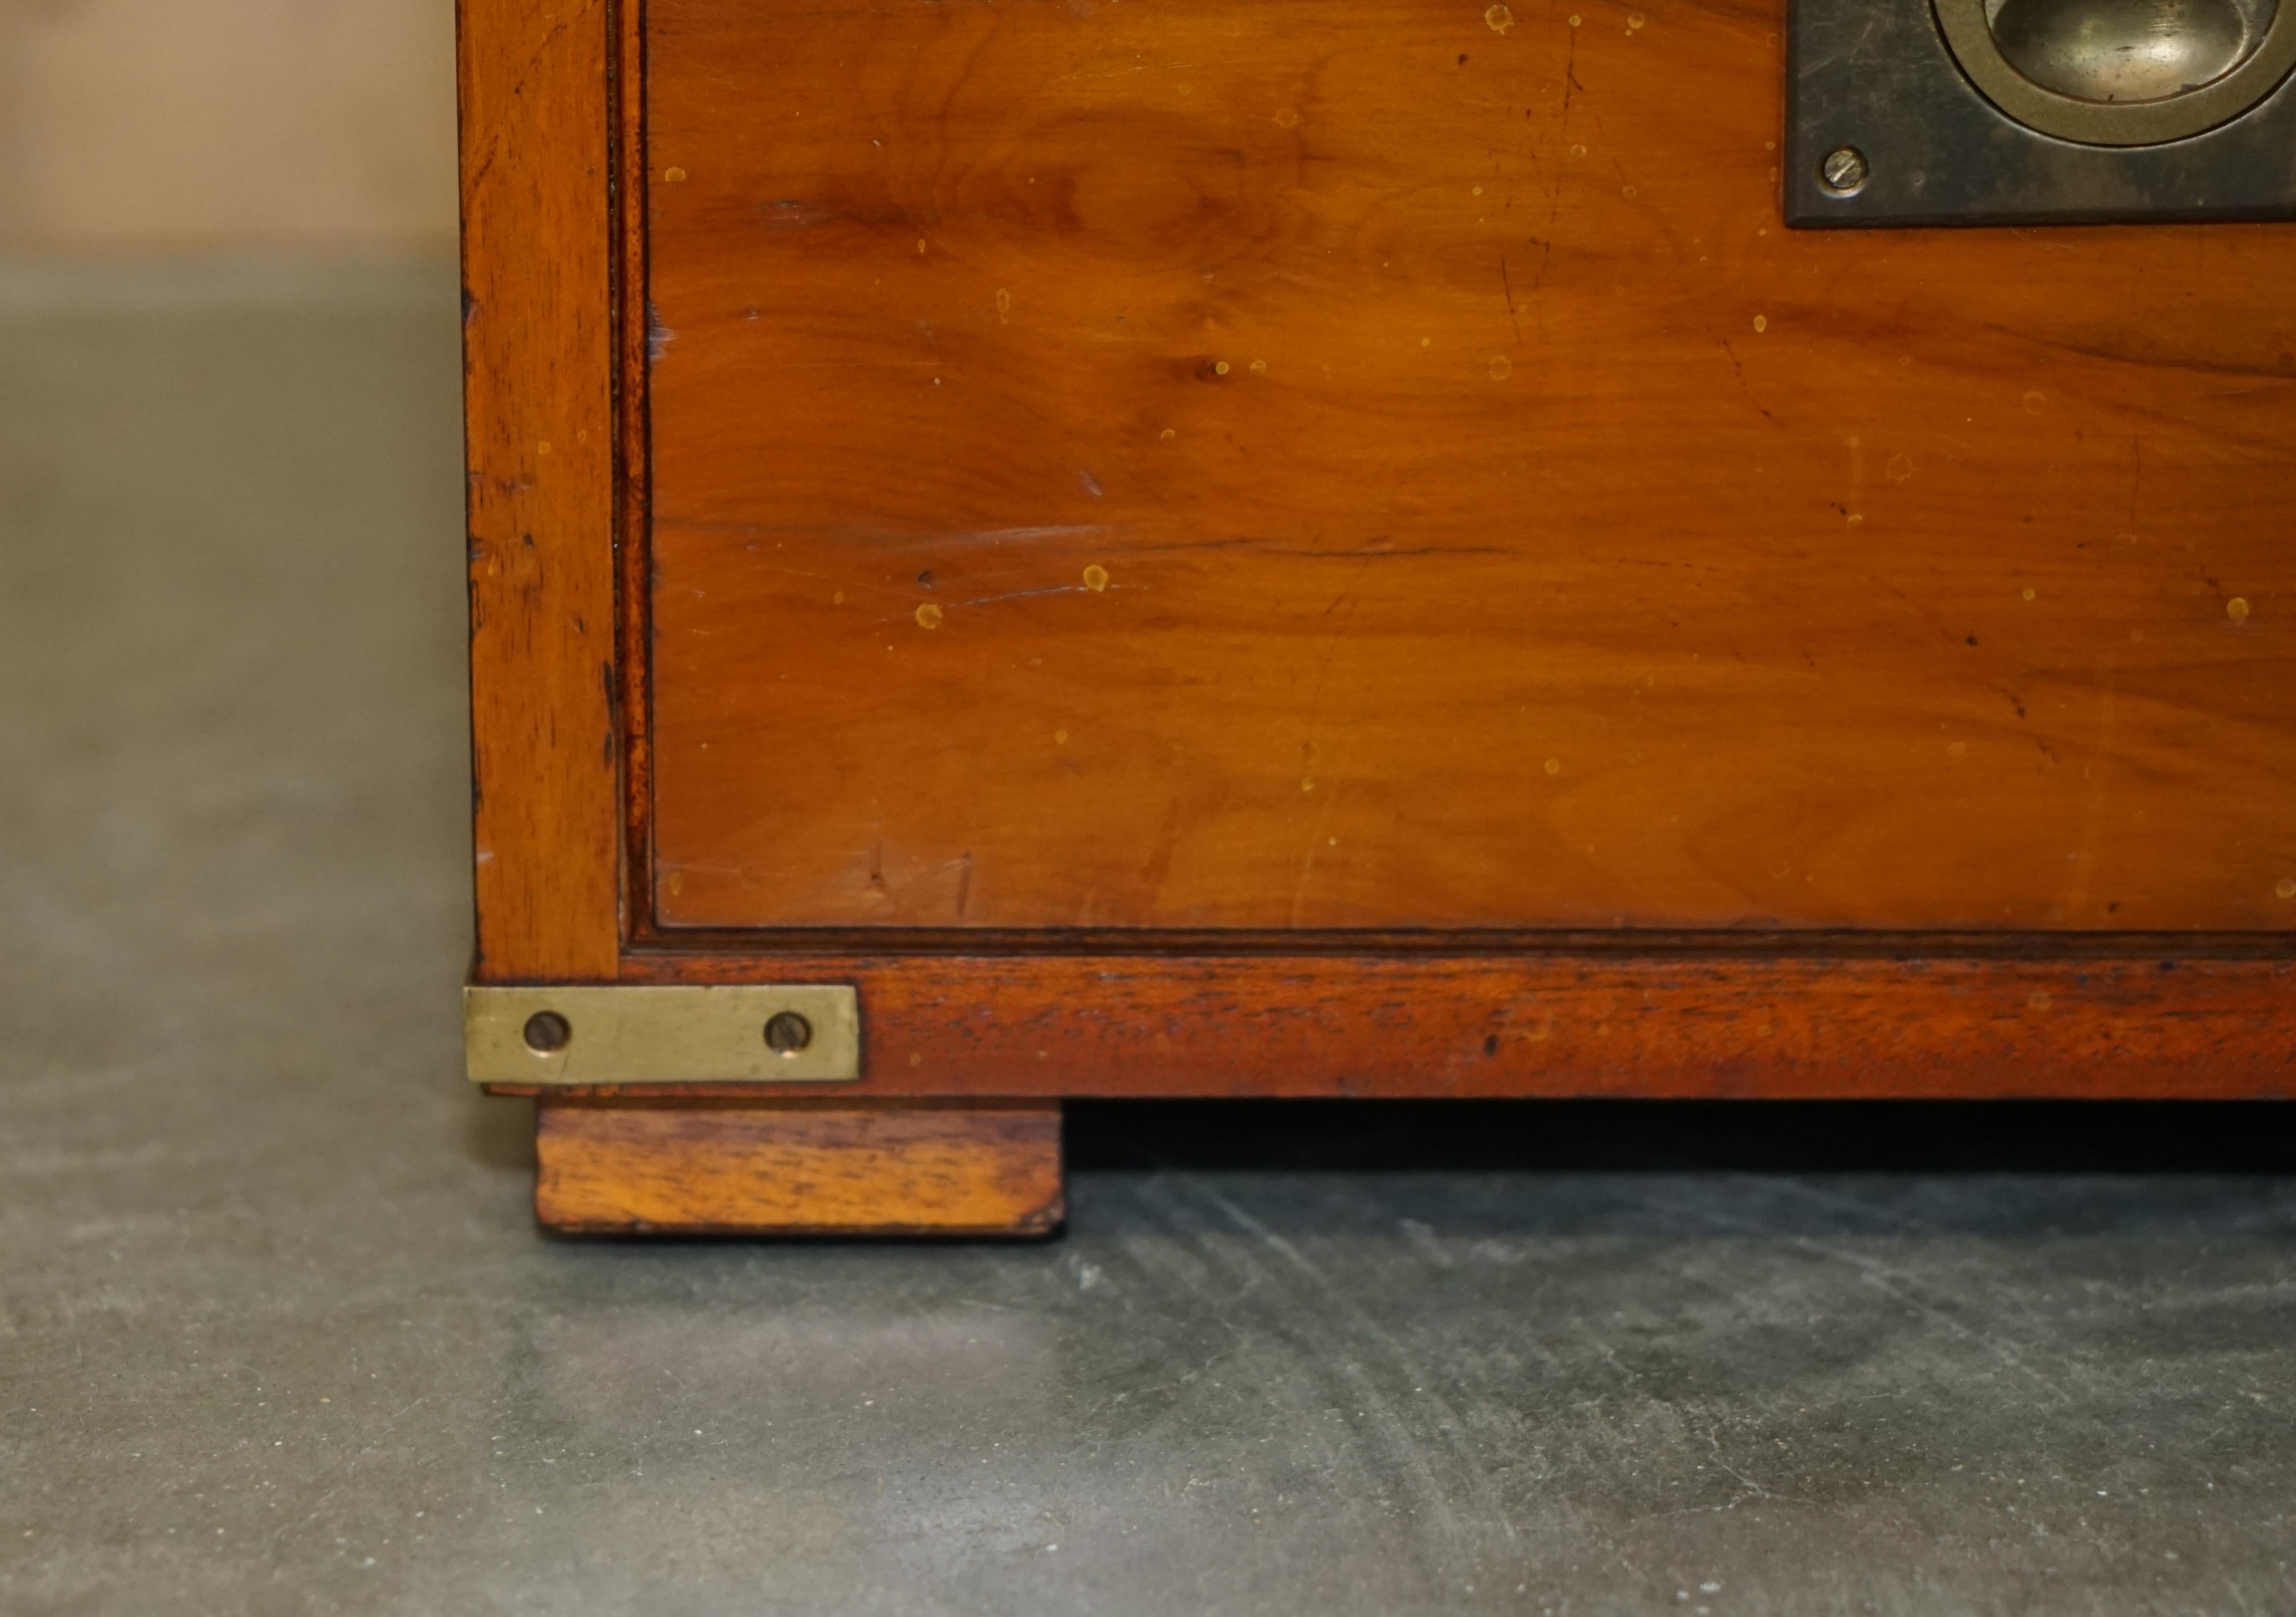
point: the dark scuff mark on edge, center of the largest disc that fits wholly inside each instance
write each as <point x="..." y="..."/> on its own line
<point x="613" y="708"/>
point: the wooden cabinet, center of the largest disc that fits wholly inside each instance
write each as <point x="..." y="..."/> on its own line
<point x="1335" y="547"/>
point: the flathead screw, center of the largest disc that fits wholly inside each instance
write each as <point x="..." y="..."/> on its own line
<point x="787" y="1033"/>
<point x="547" y="1033"/>
<point x="1844" y="173"/>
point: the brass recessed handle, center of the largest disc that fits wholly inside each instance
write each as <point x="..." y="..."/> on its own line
<point x="2061" y="67"/>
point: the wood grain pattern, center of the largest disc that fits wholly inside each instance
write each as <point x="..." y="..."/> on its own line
<point x="1384" y="465"/>
<point x="541" y="433"/>
<point x="836" y="1168"/>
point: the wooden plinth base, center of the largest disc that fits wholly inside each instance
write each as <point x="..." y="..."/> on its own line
<point x="797" y="1168"/>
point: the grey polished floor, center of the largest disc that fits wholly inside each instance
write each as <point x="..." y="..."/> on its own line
<point x="276" y="1334"/>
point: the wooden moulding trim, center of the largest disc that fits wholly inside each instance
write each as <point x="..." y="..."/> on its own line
<point x="1552" y="1025"/>
<point x="718" y="1168"/>
<point x="538" y="366"/>
<point x="659" y="955"/>
<point x="634" y="547"/>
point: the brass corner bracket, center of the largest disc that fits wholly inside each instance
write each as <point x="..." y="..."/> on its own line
<point x="797" y="1033"/>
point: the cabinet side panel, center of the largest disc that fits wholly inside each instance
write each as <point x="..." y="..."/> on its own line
<point x="539" y="424"/>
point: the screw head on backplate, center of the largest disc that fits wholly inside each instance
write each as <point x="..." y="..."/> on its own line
<point x="1843" y="173"/>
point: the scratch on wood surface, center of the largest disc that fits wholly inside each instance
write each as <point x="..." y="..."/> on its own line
<point x="1023" y="595"/>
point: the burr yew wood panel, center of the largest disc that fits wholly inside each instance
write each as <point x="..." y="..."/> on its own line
<point x="1305" y="465"/>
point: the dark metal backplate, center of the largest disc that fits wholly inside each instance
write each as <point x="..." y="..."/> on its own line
<point x="1876" y="75"/>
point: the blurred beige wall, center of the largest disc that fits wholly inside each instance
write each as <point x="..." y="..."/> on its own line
<point x="127" y="125"/>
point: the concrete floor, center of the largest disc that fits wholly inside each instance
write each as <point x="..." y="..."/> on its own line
<point x="277" y="1335"/>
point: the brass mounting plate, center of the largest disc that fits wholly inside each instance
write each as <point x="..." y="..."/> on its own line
<point x="650" y="1035"/>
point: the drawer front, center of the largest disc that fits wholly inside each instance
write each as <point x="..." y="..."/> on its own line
<point x="1385" y="466"/>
